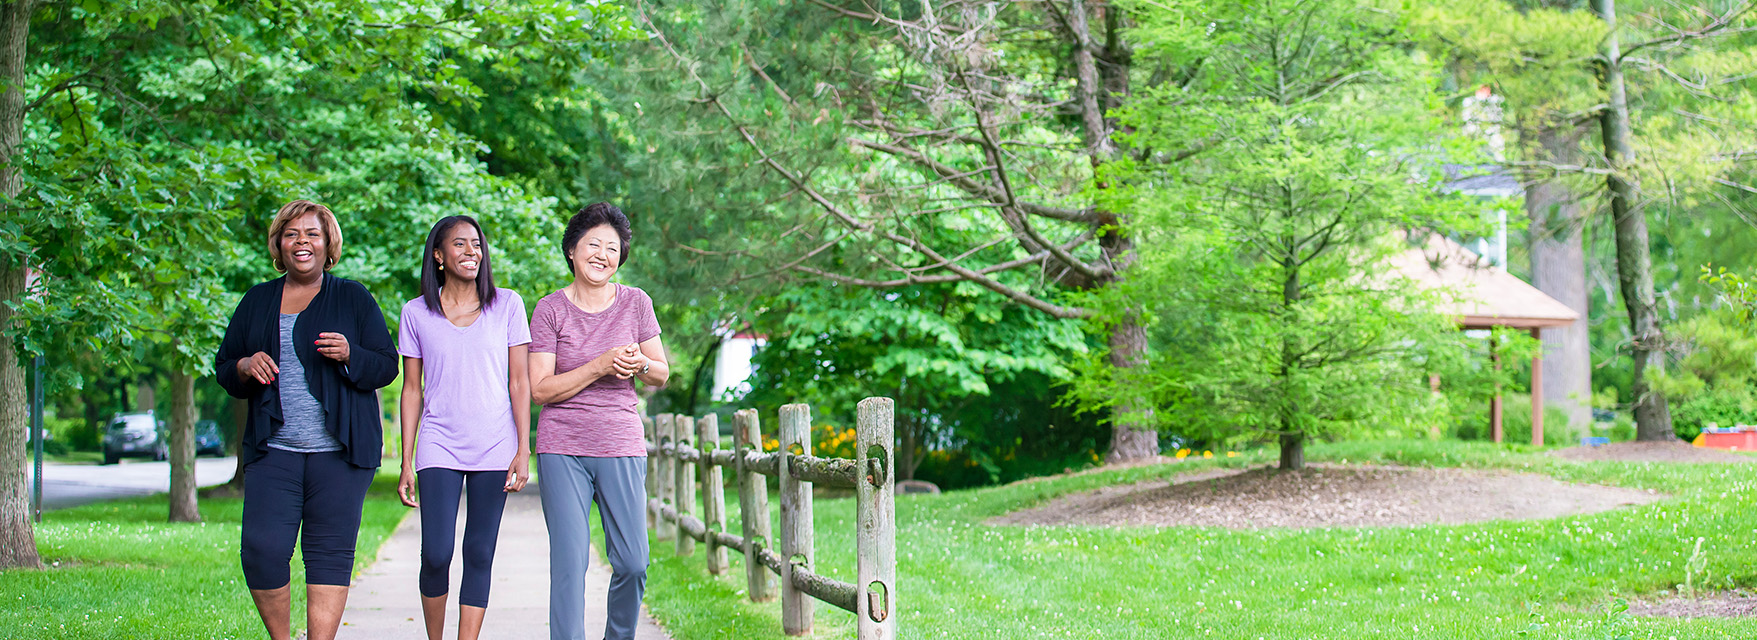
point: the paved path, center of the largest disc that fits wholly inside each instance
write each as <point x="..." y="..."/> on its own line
<point x="72" y="484"/>
<point x="386" y="604"/>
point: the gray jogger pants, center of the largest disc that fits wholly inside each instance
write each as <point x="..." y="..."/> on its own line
<point x="569" y="485"/>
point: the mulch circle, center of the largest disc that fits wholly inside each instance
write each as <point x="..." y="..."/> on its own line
<point x="1676" y="451"/>
<point x="1330" y="496"/>
<point x="1735" y="604"/>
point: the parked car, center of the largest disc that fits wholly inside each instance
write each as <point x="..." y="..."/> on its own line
<point x="208" y="440"/>
<point x="134" y="435"/>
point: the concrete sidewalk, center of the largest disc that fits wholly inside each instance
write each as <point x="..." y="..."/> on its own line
<point x="385" y="602"/>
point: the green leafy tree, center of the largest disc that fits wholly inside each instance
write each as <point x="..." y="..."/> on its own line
<point x="1664" y="90"/>
<point x="938" y="349"/>
<point x="887" y="146"/>
<point x="1274" y="313"/>
<point x="152" y="128"/>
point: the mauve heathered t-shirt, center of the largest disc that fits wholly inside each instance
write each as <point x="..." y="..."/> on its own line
<point x="601" y="420"/>
<point x="466" y="408"/>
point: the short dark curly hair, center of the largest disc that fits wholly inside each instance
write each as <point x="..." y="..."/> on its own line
<point x="590" y="217"/>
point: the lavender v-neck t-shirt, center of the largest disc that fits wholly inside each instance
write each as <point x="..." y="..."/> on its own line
<point x="601" y="420"/>
<point x="466" y="408"/>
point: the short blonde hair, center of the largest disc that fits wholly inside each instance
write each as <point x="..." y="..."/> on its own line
<point x="332" y="232"/>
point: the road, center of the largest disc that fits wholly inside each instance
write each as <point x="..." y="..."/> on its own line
<point x="67" y="485"/>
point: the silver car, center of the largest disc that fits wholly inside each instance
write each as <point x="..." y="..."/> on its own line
<point x="135" y="435"/>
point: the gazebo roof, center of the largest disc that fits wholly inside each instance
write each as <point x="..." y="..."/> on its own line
<point x="1485" y="295"/>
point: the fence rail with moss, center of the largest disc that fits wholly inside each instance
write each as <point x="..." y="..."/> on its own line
<point x="680" y="449"/>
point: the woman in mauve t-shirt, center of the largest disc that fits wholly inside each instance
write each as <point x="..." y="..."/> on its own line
<point x="466" y="413"/>
<point x="589" y="342"/>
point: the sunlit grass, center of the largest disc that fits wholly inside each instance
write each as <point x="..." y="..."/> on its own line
<point x="960" y="578"/>
<point x="118" y="570"/>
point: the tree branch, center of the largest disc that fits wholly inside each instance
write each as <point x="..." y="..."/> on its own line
<point x="1717" y="27"/>
<point x="850" y="221"/>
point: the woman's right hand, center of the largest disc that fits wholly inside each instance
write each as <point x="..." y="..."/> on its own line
<point x="259" y="368"/>
<point x="406" y="488"/>
<point x="608" y="365"/>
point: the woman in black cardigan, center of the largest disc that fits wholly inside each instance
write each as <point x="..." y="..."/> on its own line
<point x="309" y="351"/>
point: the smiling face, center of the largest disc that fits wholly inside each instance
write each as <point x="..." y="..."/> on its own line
<point x="597" y="255"/>
<point x="460" y="252"/>
<point x="303" y="246"/>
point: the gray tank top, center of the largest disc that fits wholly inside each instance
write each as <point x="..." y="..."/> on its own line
<point x="302" y="429"/>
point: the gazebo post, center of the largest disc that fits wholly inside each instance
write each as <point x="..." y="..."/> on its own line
<point x="1495" y="403"/>
<point x="1537" y="390"/>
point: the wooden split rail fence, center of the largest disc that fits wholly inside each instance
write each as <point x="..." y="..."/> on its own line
<point x="681" y="448"/>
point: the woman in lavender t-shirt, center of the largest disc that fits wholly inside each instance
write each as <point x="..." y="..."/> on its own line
<point x="466" y="414"/>
<point x="589" y="342"/>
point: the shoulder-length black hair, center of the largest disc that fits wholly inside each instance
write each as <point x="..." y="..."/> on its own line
<point x="432" y="277"/>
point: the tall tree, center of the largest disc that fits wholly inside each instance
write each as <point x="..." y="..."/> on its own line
<point x="869" y="125"/>
<point x="1274" y="318"/>
<point x="1551" y="60"/>
<point x="18" y="545"/>
<point x="1653" y="421"/>
<point x="154" y="126"/>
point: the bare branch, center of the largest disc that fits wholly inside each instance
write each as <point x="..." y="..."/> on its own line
<point x="972" y="187"/>
<point x="1719" y="26"/>
<point x="844" y="217"/>
<point x="751" y="60"/>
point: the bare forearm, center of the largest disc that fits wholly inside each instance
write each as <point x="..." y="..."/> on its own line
<point x="658" y="373"/>
<point x="521" y="414"/>
<point x="411" y="421"/>
<point x="561" y="386"/>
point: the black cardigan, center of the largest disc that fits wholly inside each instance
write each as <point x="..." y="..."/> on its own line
<point x="348" y="394"/>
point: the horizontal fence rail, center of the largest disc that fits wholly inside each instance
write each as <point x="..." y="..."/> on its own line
<point x="681" y="448"/>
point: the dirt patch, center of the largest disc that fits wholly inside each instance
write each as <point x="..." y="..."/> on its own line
<point x="1330" y="496"/>
<point x="1735" y="604"/>
<point x="1651" y="452"/>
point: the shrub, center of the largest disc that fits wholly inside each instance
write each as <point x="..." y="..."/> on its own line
<point x="1515" y="423"/>
<point x="1718" y="406"/>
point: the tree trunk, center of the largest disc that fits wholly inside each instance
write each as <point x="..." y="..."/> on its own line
<point x="1293" y="451"/>
<point x="18" y="542"/>
<point x="1130" y="440"/>
<point x="1292" y="437"/>
<point x="93" y="399"/>
<point x="234" y="488"/>
<point x="908" y="459"/>
<point x="18" y="547"/>
<point x="1653" y="421"/>
<point x="145" y="396"/>
<point x="1558" y="268"/>
<point x="182" y="498"/>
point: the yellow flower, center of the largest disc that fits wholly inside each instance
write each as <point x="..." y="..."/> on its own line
<point x="1183" y="453"/>
<point x="1232" y="454"/>
<point x="1207" y="454"/>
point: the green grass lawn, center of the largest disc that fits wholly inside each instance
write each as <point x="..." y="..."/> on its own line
<point x="76" y="457"/>
<point x="959" y="578"/>
<point x="118" y="570"/>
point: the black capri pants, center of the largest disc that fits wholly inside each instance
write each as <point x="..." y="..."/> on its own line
<point x="312" y="498"/>
<point x="486" y="501"/>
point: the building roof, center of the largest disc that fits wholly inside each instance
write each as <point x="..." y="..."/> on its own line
<point x="1483" y="295"/>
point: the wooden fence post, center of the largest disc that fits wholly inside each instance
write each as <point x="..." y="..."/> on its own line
<point x="876" y="511"/>
<point x="753" y="504"/>
<point x="796" y="532"/>
<point x="713" y="491"/>
<point x="685" y="485"/>
<point x="666" y="425"/>
<point x="650" y="427"/>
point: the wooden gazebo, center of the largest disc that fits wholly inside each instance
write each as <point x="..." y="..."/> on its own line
<point x="1484" y="296"/>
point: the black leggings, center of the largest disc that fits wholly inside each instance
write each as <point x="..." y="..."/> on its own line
<point x="313" y="498"/>
<point x="440" y="490"/>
